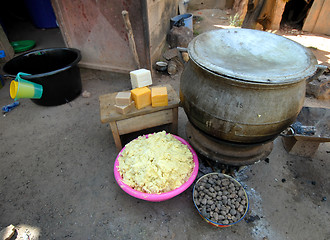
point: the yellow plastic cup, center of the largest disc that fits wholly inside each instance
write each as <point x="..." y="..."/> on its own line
<point x="25" y="89"/>
<point x="13" y="89"/>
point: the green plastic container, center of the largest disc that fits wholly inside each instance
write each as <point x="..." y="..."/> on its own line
<point x="22" y="46"/>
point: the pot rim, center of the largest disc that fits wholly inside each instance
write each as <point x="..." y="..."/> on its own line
<point x="33" y="76"/>
<point x="253" y="56"/>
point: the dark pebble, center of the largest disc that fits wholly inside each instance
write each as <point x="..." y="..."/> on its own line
<point x="211" y="181"/>
<point x="240" y="208"/>
<point x="203" y="211"/>
<point x="216" y="216"/>
<point x="232" y="212"/>
<point x="252" y="218"/>
<point x="241" y="193"/>
<point x="324" y="199"/>
<point x="225" y="182"/>
<point x="195" y="194"/>
<point x="283" y="180"/>
<point x="232" y="195"/>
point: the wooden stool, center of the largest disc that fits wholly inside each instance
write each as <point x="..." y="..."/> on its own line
<point x="141" y="119"/>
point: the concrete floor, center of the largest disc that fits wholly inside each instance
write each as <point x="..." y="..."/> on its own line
<point x="56" y="180"/>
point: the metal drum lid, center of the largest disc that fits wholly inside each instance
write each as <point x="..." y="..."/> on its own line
<point x="253" y="56"/>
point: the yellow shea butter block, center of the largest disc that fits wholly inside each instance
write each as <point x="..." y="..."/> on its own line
<point x="123" y="98"/>
<point x="124" y="109"/>
<point x="140" y="78"/>
<point x="141" y="97"/>
<point x="159" y="96"/>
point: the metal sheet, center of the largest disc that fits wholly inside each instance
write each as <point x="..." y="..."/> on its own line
<point x="252" y="55"/>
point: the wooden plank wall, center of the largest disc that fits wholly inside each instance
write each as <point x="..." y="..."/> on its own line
<point x="159" y="14"/>
<point x="318" y="19"/>
<point x="97" y="29"/>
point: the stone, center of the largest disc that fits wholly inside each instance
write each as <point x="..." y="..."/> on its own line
<point x="179" y="37"/>
<point x="319" y="88"/>
<point x="171" y="53"/>
<point x="86" y="94"/>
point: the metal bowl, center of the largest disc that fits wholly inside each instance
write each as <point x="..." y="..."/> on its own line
<point x="217" y="224"/>
<point x="161" y="66"/>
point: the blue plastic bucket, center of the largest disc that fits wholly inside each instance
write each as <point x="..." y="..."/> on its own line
<point x="42" y="13"/>
<point x="187" y="18"/>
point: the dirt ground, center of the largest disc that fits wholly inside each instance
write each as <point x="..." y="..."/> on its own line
<point x="57" y="182"/>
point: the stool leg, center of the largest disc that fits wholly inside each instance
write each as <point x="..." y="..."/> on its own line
<point x="174" y="126"/>
<point x="115" y="134"/>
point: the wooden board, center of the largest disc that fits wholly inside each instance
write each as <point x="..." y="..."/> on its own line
<point x="323" y="22"/>
<point x="145" y="121"/>
<point x="318" y="18"/>
<point x="97" y="29"/>
<point x="6" y="47"/>
<point x="108" y="112"/>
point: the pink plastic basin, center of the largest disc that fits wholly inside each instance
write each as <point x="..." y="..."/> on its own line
<point x="162" y="196"/>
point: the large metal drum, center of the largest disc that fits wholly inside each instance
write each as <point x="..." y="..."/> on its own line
<point x="244" y="85"/>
